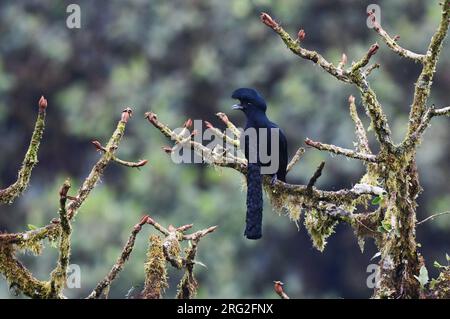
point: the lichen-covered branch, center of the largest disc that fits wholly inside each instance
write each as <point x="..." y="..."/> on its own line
<point x="353" y="75"/>
<point x="168" y="250"/>
<point x="101" y="148"/>
<point x="425" y="80"/>
<point x="392" y="42"/>
<point x="187" y="288"/>
<point x="295" y="47"/>
<point x="297" y="156"/>
<point x="98" y="169"/>
<point x="365" y="59"/>
<point x="360" y="131"/>
<point x="10" y="193"/>
<point x="59" y="275"/>
<point x="103" y="285"/>
<point x="17" y="274"/>
<point x="445" y="111"/>
<point x="341" y="151"/>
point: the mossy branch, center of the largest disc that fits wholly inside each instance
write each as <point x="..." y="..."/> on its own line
<point x="103" y="285"/>
<point x="59" y="275"/>
<point x="15" y="273"/>
<point x="341" y="151"/>
<point x="425" y="79"/>
<point x="392" y="43"/>
<point x="9" y="194"/>
<point x="97" y="171"/>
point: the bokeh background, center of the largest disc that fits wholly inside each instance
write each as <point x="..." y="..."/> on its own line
<point x="182" y="59"/>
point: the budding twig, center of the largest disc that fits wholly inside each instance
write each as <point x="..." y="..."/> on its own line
<point x="295" y="47"/>
<point x="278" y="287"/>
<point x="9" y="194"/>
<point x="392" y="42"/>
<point x="98" y="169"/>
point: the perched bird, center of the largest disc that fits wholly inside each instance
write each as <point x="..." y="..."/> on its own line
<point x="254" y="107"/>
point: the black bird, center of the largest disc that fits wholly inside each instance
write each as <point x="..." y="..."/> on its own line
<point x="254" y="107"/>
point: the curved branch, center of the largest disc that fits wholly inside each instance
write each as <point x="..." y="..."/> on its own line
<point x="425" y="80"/>
<point x="9" y="194"/>
<point x="294" y="46"/>
<point x="392" y="42"/>
<point x="298" y="155"/>
<point x="118" y="266"/>
<point x="98" y="169"/>
<point x="341" y="151"/>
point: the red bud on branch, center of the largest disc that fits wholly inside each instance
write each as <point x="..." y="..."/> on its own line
<point x="351" y="99"/>
<point x="188" y="123"/>
<point x="126" y="114"/>
<point x="151" y="117"/>
<point x="141" y="163"/>
<point x="42" y="104"/>
<point x="301" y="35"/>
<point x="268" y="21"/>
<point x="223" y="117"/>
<point x="278" y="287"/>
<point x="373" y="49"/>
<point x="208" y="124"/>
<point x="98" y="145"/>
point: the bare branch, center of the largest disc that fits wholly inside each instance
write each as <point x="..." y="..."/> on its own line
<point x="298" y="155"/>
<point x="9" y="194"/>
<point x="413" y="139"/>
<point x="392" y="43"/>
<point x="445" y="111"/>
<point x="432" y="217"/>
<point x="118" y="266"/>
<point x="315" y="177"/>
<point x="294" y="46"/>
<point x="98" y="169"/>
<point x="341" y="151"/>
<point x="138" y="164"/>
<point x="370" y="68"/>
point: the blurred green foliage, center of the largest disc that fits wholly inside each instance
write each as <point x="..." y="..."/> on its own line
<point x="182" y="59"/>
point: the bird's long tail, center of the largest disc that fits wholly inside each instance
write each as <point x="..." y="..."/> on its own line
<point x="253" y="228"/>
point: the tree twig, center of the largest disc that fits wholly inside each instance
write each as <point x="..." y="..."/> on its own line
<point x="118" y="266"/>
<point x="432" y="217"/>
<point x="392" y="42"/>
<point x="341" y="151"/>
<point x="298" y="155"/>
<point x="9" y="194"/>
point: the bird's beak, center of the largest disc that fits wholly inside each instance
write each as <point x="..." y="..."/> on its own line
<point x="237" y="107"/>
